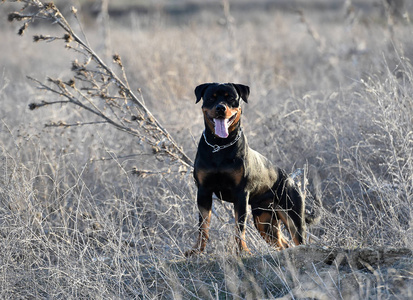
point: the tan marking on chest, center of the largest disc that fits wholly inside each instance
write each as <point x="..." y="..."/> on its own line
<point x="201" y="175"/>
<point x="236" y="174"/>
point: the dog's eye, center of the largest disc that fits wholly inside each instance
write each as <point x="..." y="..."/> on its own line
<point x="233" y="101"/>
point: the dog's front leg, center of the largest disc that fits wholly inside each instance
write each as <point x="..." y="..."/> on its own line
<point x="241" y="214"/>
<point x="204" y="200"/>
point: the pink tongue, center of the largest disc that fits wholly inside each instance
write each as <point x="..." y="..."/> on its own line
<point x="221" y="128"/>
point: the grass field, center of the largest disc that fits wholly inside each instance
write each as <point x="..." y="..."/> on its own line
<point x="330" y="90"/>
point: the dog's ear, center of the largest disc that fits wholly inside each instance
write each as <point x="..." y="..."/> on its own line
<point x="242" y="90"/>
<point x="200" y="90"/>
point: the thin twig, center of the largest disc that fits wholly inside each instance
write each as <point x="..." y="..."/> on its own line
<point x="63" y="124"/>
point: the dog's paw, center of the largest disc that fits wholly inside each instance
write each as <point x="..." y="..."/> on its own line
<point x="192" y="252"/>
<point x="244" y="251"/>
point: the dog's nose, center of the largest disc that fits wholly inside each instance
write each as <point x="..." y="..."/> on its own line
<point x="221" y="108"/>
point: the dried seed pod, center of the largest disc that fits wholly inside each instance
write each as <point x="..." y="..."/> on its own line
<point x="33" y="106"/>
<point x="68" y="38"/>
<point x="15" y="16"/>
<point x="117" y="59"/>
<point x="23" y="28"/>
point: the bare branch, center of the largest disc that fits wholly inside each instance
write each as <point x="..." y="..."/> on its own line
<point x="64" y="124"/>
<point x="95" y="87"/>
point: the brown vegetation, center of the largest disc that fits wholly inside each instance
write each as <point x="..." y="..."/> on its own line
<point x="76" y="221"/>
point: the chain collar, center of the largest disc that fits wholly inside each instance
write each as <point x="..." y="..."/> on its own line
<point x="217" y="148"/>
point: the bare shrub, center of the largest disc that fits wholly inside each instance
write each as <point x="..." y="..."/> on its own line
<point x="329" y="91"/>
<point x="95" y="87"/>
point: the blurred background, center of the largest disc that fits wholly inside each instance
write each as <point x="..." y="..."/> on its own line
<point x="331" y="91"/>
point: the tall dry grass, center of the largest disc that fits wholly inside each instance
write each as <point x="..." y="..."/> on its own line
<point x="328" y="91"/>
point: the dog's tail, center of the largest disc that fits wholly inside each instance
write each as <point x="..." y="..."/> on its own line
<point x="314" y="204"/>
<point x="313" y="215"/>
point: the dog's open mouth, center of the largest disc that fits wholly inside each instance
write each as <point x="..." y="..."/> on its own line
<point x="222" y="125"/>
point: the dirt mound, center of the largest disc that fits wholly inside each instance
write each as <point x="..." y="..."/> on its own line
<point x="301" y="272"/>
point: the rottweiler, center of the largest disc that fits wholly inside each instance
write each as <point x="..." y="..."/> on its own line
<point x="226" y="166"/>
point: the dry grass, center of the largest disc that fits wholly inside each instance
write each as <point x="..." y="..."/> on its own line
<point x="329" y="90"/>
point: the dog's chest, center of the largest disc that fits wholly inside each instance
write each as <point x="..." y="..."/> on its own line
<point x="219" y="171"/>
<point x="225" y="178"/>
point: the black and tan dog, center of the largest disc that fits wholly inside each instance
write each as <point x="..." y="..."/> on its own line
<point x="227" y="166"/>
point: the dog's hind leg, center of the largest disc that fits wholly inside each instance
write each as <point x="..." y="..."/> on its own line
<point x="280" y="239"/>
<point x="269" y="228"/>
<point x="294" y="224"/>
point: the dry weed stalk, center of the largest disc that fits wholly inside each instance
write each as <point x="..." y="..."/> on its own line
<point x="95" y="87"/>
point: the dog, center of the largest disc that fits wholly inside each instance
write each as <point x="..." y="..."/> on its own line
<point x="226" y="166"/>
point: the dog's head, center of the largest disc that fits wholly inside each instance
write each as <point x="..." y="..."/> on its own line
<point x="221" y="105"/>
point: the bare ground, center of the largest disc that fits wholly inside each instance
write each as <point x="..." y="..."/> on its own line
<point x="301" y="272"/>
